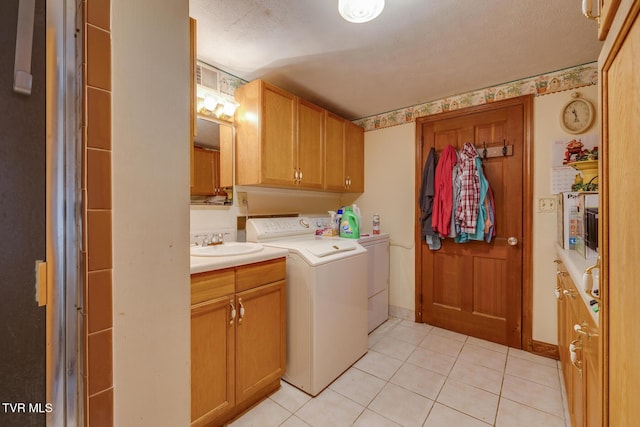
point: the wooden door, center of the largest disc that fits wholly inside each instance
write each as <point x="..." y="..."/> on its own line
<point x="334" y="153"/>
<point x="476" y="288"/>
<point x="619" y="227"/>
<point x="278" y="147"/>
<point x="212" y="359"/>
<point x="310" y="153"/>
<point x="354" y="157"/>
<point x="261" y="338"/>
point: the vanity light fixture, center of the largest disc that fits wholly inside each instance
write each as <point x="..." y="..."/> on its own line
<point x="216" y="104"/>
<point x="359" y="11"/>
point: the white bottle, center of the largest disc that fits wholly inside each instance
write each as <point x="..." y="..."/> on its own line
<point x="376" y="224"/>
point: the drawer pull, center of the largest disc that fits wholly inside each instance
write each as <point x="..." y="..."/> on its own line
<point x="558" y="293"/>
<point x="241" y="310"/>
<point x="233" y="312"/>
<point x="574" y="346"/>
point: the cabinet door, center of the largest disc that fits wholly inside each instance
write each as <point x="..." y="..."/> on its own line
<point x="226" y="156"/>
<point x="212" y="359"/>
<point x="278" y="150"/>
<point x="607" y="10"/>
<point x="310" y="145"/>
<point x="260" y="338"/>
<point x="192" y="94"/>
<point x="354" y="157"/>
<point x="334" y="153"/>
<point x="203" y="184"/>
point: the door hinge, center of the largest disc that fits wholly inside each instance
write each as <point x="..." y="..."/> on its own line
<point x="41" y="282"/>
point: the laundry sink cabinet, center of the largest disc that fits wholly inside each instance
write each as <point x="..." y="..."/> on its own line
<point x="238" y="339"/>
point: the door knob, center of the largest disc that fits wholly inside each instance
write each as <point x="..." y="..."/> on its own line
<point x="512" y="241"/>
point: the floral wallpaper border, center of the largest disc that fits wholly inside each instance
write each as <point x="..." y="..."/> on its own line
<point x="567" y="79"/>
<point x="545" y="84"/>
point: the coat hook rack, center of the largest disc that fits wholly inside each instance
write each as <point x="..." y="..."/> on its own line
<point x="501" y="150"/>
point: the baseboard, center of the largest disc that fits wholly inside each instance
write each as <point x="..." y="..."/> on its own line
<point x="545" y="349"/>
<point x="402" y="313"/>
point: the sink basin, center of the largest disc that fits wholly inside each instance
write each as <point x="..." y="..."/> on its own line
<point x="226" y="249"/>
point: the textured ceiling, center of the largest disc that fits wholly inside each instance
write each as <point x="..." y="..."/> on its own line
<point x="415" y="51"/>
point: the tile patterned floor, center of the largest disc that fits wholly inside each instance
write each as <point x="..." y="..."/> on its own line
<point x="419" y="375"/>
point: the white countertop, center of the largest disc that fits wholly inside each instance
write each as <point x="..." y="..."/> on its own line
<point x="576" y="265"/>
<point x="202" y="264"/>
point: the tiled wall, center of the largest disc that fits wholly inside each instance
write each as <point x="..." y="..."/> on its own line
<point x="96" y="179"/>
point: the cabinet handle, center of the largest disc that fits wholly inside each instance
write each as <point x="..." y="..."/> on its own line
<point x="300" y="175"/>
<point x="573" y="356"/>
<point x="233" y="312"/>
<point x="295" y="175"/>
<point x="558" y="293"/>
<point x="241" y="310"/>
<point x="561" y="273"/>
<point x="584" y="330"/>
<point x="569" y="293"/>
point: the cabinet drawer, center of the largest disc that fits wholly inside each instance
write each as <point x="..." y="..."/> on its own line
<point x="248" y="277"/>
<point x="210" y="285"/>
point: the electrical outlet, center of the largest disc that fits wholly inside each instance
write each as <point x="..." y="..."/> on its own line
<point x="242" y="198"/>
<point x="547" y="204"/>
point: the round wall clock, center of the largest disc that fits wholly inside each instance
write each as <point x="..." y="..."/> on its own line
<point x="577" y="115"/>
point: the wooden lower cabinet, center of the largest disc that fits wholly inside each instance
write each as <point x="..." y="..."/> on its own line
<point x="581" y="371"/>
<point x="238" y="339"/>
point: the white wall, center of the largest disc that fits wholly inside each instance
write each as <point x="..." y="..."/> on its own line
<point x="389" y="168"/>
<point x="150" y="128"/>
<point x="546" y="130"/>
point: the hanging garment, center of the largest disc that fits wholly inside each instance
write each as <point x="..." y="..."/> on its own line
<point x="455" y="178"/>
<point x="426" y="201"/>
<point x="469" y="199"/>
<point x="491" y="232"/>
<point x="483" y="212"/>
<point x="443" y="197"/>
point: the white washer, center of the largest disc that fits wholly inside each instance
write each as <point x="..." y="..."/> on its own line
<point x="326" y="300"/>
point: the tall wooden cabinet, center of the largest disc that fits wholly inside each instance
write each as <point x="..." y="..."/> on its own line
<point x="286" y="141"/>
<point x="619" y="65"/>
<point x="238" y="339"/>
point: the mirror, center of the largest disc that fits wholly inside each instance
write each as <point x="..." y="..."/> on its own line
<point x="213" y="163"/>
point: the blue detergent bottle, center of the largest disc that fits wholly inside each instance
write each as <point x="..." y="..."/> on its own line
<point x="349" y="224"/>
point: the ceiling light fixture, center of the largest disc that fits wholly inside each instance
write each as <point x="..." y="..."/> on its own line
<point x="359" y="11"/>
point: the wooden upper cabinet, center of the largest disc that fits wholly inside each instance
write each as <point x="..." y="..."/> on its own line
<point x="285" y="141"/>
<point x="344" y="155"/>
<point x="226" y="156"/>
<point x="354" y="157"/>
<point x="265" y="135"/>
<point x="192" y="92"/>
<point x="607" y="10"/>
<point x="310" y="145"/>
<point x="334" y="179"/>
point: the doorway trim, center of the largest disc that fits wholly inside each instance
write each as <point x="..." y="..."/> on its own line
<point x="526" y="321"/>
<point x="65" y="281"/>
